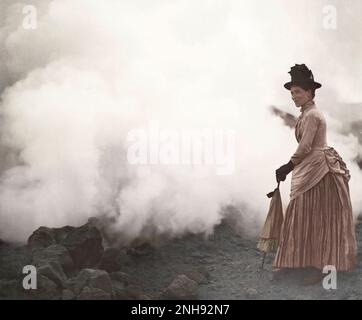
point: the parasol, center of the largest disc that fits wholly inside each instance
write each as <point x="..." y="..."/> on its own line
<point x="269" y="236"/>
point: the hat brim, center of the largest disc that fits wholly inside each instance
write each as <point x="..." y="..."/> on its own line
<point x="312" y="84"/>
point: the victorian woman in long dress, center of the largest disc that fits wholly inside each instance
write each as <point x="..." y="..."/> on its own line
<point x="318" y="228"/>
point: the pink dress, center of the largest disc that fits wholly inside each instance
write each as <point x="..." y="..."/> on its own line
<point x="318" y="227"/>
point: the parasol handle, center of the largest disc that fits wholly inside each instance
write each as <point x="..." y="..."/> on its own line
<point x="270" y="194"/>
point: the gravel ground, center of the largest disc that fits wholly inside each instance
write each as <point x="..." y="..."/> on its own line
<point x="233" y="264"/>
<point x="230" y="262"/>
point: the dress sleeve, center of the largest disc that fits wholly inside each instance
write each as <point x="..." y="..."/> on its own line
<point x="305" y="144"/>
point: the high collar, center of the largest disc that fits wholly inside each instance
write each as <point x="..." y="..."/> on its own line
<point x="309" y="105"/>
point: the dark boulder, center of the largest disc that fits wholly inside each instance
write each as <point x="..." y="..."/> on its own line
<point x="182" y="287"/>
<point x="89" y="293"/>
<point x="85" y="246"/>
<point x="113" y="260"/>
<point x="41" y="238"/>
<point x="121" y="277"/>
<point x="44" y="236"/>
<point x="68" y="295"/>
<point x="130" y="292"/>
<point x="54" y="272"/>
<point x="46" y="289"/>
<point x="53" y="253"/>
<point x="91" y="278"/>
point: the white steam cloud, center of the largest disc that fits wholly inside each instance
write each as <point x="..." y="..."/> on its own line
<point x="93" y="71"/>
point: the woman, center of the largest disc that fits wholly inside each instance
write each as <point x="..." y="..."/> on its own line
<point x="318" y="228"/>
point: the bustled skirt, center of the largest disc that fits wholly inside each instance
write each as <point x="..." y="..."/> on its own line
<point x="318" y="228"/>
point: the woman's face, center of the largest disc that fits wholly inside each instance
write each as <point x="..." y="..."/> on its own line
<point x="300" y="96"/>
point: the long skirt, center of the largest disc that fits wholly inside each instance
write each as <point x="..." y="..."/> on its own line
<point x="318" y="228"/>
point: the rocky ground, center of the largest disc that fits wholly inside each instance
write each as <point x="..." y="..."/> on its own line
<point x="75" y="263"/>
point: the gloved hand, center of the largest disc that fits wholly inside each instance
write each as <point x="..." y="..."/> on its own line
<point x="283" y="171"/>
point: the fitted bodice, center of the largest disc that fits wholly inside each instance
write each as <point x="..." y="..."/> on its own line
<point x="310" y="132"/>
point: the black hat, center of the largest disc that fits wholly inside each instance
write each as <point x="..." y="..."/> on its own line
<point x="301" y="75"/>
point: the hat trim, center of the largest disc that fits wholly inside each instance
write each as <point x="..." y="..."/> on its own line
<point x="316" y="85"/>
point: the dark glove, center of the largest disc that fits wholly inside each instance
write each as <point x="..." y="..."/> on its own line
<point x="283" y="171"/>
